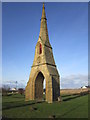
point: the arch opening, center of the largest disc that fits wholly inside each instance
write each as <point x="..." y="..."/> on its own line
<point x="40" y="91"/>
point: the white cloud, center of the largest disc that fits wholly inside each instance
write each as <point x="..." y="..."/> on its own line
<point x="74" y="81"/>
<point x="71" y="81"/>
<point x="12" y="83"/>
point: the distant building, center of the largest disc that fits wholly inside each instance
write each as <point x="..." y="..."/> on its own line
<point x="13" y="90"/>
<point x="21" y="91"/>
<point x="84" y="87"/>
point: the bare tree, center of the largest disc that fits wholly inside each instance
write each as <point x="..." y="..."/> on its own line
<point x="5" y="90"/>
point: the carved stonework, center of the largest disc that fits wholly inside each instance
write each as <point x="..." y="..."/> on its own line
<point x="39" y="59"/>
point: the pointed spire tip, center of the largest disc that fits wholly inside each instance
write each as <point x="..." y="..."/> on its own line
<point x="43" y="4"/>
<point x="43" y="12"/>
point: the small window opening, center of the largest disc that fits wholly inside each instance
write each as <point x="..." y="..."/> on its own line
<point x="40" y="49"/>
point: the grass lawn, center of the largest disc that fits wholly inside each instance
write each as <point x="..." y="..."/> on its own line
<point x="72" y="106"/>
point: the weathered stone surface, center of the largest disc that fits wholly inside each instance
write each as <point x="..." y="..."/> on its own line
<point x="43" y="68"/>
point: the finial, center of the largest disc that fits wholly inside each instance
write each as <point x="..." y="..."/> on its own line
<point x="43" y="4"/>
<point x="43" y="12"/>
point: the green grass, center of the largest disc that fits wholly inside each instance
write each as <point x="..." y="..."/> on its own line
<point x="72" y="106"/>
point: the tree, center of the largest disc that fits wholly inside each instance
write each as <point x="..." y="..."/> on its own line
<point x="5" y="90"/>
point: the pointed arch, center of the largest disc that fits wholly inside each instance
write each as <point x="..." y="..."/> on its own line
<point x="38" y="85"/>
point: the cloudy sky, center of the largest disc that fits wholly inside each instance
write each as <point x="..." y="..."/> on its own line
<point x="68" y="35"/>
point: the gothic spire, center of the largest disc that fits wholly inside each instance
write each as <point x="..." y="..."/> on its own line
<point x="43" y="28"/>
<point x="43" y="13"/>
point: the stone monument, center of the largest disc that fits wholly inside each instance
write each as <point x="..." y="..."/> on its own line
<point x="43" y="68"/>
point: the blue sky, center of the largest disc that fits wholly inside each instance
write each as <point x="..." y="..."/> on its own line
<point x="68" y="34"/>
